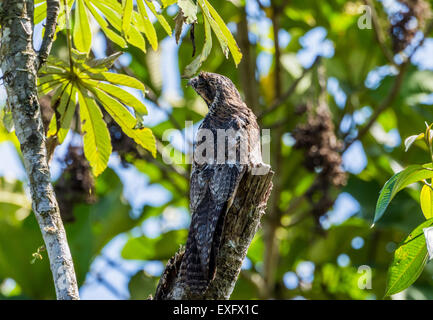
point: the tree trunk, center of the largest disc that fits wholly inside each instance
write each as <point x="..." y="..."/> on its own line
<point x="240" y="225"/>
<point x="19" y="64"/>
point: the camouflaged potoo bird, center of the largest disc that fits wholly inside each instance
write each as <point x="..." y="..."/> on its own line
<point x="227" y="144"/>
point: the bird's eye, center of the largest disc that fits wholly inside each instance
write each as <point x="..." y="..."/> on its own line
<point x="201" y="83"/>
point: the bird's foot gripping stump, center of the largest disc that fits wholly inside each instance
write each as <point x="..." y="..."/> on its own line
<point x="240" y="225"/>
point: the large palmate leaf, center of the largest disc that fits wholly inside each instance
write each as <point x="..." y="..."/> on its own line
<point x="120" y="22"/>
<point x="397" y="182"/>
<point x="89" y="83"/>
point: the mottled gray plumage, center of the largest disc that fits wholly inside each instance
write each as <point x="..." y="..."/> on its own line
<point x="213" y="184"/>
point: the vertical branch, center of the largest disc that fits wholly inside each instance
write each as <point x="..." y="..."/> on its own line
<point x="18" y="63"/>
<point x="53" y="8"/>
<point x="247" y="67"/>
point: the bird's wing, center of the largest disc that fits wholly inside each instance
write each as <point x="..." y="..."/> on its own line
<point x="212" y="204"/>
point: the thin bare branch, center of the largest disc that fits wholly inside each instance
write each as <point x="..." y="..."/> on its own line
<point x="53" y="8"/>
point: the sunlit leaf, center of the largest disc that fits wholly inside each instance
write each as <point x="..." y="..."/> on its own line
<point x="215" y="27"/>
<point x="113" y="36"/>
<point x="189" y="10"/>
<point x="410" y="140"/>
<point x="128" y="6"/>
<point x="426" y="201"/>
<point x="97" y="142"/>
<point x="125" y="120"/>
<point x="409" y="260"/>
<point x="82" y="33"/>
<point x="65" y="109"/>
<point x="149" y="29"/>
<point x="121" y="95"/>
<point x="160" y="17"/>
<point x="231" y="42"/>
<point x="193" y="67"/>
<point x="397" y="182"/>
<point x="167" y="3"/>
<point x="117" y="78"/>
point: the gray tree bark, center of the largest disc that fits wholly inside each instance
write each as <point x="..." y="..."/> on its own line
<point x="19" y="63"/>
<point x="240" y="225"/>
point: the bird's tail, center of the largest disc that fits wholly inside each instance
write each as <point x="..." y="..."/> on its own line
<point x="192" y="269"/>
<point x="199" y="262"/>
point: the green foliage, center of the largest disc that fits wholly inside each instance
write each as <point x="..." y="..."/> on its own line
<point x="160" y="248"/>
<point x="411" y="256"/>
<point x="90" y="81"/>
<point x="409" y="260"/>
<point x="123" y="24"/>
<point x="84" y="80"/>
<point x="95" y="225"/>
<point x="142" y="285"/>
<point x="399" y="181"/>
<point x="426" y="201"/>
<point x="120" y="22"/>
<point x="300" y="235"/>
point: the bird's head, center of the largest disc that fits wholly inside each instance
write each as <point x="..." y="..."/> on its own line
<point x="207" y="84"/>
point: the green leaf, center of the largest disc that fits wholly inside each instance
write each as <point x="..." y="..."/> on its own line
<point x="160" y="248"/>
<point x="127" y="15"/>
<point x="410" y="140"/>
<point x="118" y="78"/>
<point x="141" y="285"/>
<point x="97" y="142"/>
<point x="215" y="27"/>
<point x="409" y="260"/>
<point x="136" y="39"/>
<point x="82" y="33"/>
<point x="193" y="67"/>
<point x="160" y="17"/>
<point x="113" y="16"/>
<point x="189" y="10"/>
<point x="40" y="13"/>
<point x="149" y="29"/>
<point x="65" y="109"/>
<point x="234" y="49"/>
<point x="113" y="36"/>
<point x="397" y="182"/>
<point x="125" y="120"/>
<point x="166" y="3"/>
<point x="104" y="63"/>
<point x="122" y="95"/>
<point x="426" y="201"/>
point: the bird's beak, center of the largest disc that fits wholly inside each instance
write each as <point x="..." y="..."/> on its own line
<point x="192" y="82"/>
